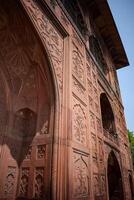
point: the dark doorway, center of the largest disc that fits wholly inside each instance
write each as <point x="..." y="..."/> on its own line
<point x="115" y="186"/>
<point x="131" y="186"/>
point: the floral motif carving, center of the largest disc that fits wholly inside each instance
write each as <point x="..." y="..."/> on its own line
<point x="41" y="150"/>
<point x="39" y="183"/>
<point x="49" y="36"/>
<point x="79" y="124"/>
<point x="78" y="65"/>
<point x="80" y="176"/>
<point x="10" y="181"/>
<point x="23" y="190"/>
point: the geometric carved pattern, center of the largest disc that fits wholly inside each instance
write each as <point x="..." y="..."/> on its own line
<point x="49" y="36"/>
<point x="39" y="183"/>
<point x="23" y="190"/>
<point x="78" y="65"/>
<point x="79" y="124"/>
<point x="80" y="175"/>
<point x="10" y="181"/>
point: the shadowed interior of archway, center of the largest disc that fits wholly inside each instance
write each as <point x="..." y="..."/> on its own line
<point x="26" y="108"/>
<point x="115" y="186"/>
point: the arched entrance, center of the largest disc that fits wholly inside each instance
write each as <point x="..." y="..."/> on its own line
<point x="115" y="186"/>
<point x="27" y="108"/>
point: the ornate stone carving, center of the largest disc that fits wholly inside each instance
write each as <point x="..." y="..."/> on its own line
<point x="29" y="152"/>
<point x="95" y="94"/>
<point x="94" y="146"/>
<point x="79" y="90"/>
<point x="102" y="184"/>
<point x="97" y="108"/>
<point x="64" y="19"/>
<point x="78" y="65"/>
<point x="91" y="103"/>
<point x="98" y="124"/>
<point x="41" y="150"/>
<point x="10" y="182"/>
<point x="39" y="183"/>
<point x="44" y="129"/>
<point x="23" y="188"/>
<point x="92" y="120"/>
<point x="96" y="184"/>
<point x="101" y="153"/>
<point x="77" y="40"/>
<point x="80" y="176"/>
<point x="90" y="88"/>
<point x="79" y="124"/>
<point x="49" y="36"/>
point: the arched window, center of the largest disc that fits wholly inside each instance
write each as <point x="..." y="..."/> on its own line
<point x="97" y="52"/>
<point x="107" y="114"/>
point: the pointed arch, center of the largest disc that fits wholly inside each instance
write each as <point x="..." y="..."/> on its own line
<point x="114" y="177"/>
<point x="33" y="108"/>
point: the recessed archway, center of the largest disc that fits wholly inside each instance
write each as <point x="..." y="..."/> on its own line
<point x="27" y="137"/>
<point x="115" y="186"/>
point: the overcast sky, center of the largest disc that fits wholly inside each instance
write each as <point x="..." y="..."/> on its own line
<point x="123" y="13"/>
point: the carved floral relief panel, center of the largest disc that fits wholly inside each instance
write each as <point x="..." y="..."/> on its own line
<point x="80" y="175"/>
<point x="79" y="124"/>
<point x="49" y="35"/>
<point x="78" y="65"/>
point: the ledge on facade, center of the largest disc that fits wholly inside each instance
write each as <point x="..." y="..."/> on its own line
<point x="104" y="21"/>
<point x="113" y="137"/>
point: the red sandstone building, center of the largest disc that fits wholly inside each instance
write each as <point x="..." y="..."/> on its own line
<point x="62" y="129"/>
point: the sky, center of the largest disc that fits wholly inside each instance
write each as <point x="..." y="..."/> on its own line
<point x="123" y="13"/>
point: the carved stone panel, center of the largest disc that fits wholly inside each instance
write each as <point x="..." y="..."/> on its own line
<point x="80" y="175"/>
<point x="96" y="184"/>
<point x="94" y="146"/>
<point x="78" y="65"/>
<point x="79" y="90"/>
<point x="24" y="181"/>
<point x="39" y="183"/>
<point x="9" y="188"/>
<point x="79" y="127"/>
<point x="92" y="120"/>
